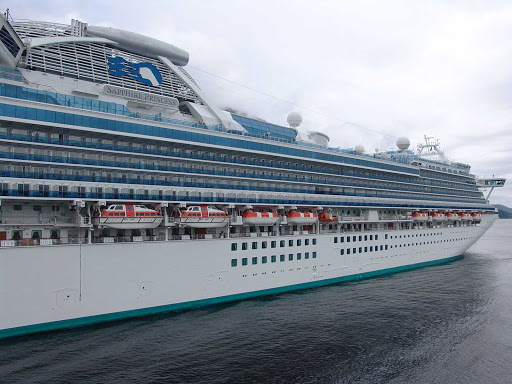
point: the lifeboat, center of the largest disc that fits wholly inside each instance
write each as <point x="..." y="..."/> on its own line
<point x="419" y="216"/>
<point x="452" y="216"/>
<point x="128" y="216"/>
<point x="476" y="216"/>
<point x="465" y="216"/>
<point x="204" y="217"/>
<point x="296" y="217"/>
<point x="437" y="216"/>
<point x="325" y="217"/>
<point x="259" y="218"/>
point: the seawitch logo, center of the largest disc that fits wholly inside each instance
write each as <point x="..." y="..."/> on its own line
<point x="144" y="73"/>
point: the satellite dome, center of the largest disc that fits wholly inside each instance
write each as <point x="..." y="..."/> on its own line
<point x="403" y="143"/>
<point x="294" y="119"/>
<point x="359" y="149"/>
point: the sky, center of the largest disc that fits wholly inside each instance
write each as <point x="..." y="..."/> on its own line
<point x="363" y="72"/>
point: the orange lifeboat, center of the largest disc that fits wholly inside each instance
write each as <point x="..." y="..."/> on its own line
<point x="259" y="218"/>
<point x="452" y="216"/>
<point x="204" y="216"/>
<point x="419" y="216"/>
<point x="465" y="216"/>
<point x="296" y="217"/>
<point x="477" y="216"/>
<point x="327" y="217"/>
<point x="438" y="216"/>
<point x="129" y="216"/>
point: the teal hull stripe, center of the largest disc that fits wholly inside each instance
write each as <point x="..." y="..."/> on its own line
<point x="18" y="331"/>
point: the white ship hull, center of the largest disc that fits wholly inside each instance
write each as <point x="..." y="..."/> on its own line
<point x="60" y="286"/>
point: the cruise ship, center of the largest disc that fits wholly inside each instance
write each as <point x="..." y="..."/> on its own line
<point x="126" y="191"/>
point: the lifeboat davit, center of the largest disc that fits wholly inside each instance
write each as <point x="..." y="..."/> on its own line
<point x="129" y="216"/>
<point x="436" y="216"/>
<point x="296" y="217"/>
<point x="327" y="217"/>
<point x="477" y="216"/>
<point x="204" y="217"/>
<point x="420" y="216"/>
<point x="465" y="216"/>
<point x="259" y="218"/>
<point x="452" y="216"/>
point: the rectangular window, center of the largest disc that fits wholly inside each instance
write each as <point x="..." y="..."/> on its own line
<point x="354" y="238"/>
<point x="386" y="236"/>
<point x="290" y="257"/>
<point x="234" y="262"/>
<point x="371" y="248"/>
<point x="299" y="242"/>
<point x="365" y="237"/>
<point x="386" y="247"/>
<point x="314" y="241"/>
<point x="314" y="255"/>
<point x="273" y="244"/>
<point x="254" y="260"/>
<point x="360" y="238"/>
<point x="299" y="256"/>
<point x="366" y="249"/>
<point x="282" y="243"/>
<point x="264" y="244"/>
<point x="348" y="251"/>
<point x="381" y="247"/>
<point x="264" y="260"/>
<point x="342" y="251"/>
<point x="335" y="240"/>
<point x="281" y="257"/>
<point x="354" y="250"/>
<point x="273" y="258"/>
<point x="290" y="243"/>
<point x="306" y="255"/>
<point x="371" y="237"/>
<point x="244" y="261"/>
<point x="360" y="249"/>
<point x="254" y="245"/>
<point x="306" y="242"/>
<point x="342" y="239"/>
<point x="376" y="237"/>
<point x="244" y="246"/>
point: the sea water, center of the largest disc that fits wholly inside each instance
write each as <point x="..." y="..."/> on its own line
<point x="450" y="323"/>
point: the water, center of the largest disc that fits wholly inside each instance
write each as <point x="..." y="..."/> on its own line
<point x="444" y="324"/>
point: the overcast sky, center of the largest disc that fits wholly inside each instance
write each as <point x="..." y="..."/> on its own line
<point x="363" y="72"/>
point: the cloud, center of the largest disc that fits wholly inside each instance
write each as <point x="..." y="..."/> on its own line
<point x="397" y="67"/>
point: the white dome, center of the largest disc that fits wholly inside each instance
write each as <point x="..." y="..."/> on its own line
<point x="403" y="143"/>
<point x="359" y="149"/>
<point x="294" y="119"/>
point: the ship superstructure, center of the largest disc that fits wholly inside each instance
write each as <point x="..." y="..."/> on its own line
<point x="126" y="191"/>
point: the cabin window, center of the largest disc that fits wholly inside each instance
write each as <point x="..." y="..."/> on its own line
<point x="360" y="249"/>
<point x="264" y="260"/>
<point x="366" y="249"/>
<point x="348" y="239"/>
<point x="348" y="251"/>
<point x="306" y="242"/>
<point x="381" y="247"/>
<point x="354" y="250"/>
<point x="290" y="243"/>
<point x="335" y="240"/>
<point x="282" y="243"/>
<point x="360" y="238"/>
<point x="299" y="242"/>
<point x="314" y="241"/>
<point x="365" y="237"/>
<point x="371" y="237"/>
<point x="234" y="246"/>
<point x="234" y="262"/>
<point x="281" y="258"/>
<point x="36" y="208"/>
<point x="17" y="235"/>
<point x="354" y="238"/>
<point x="376" y="237"/>
<point x="254" y="245"/>
<point x="290" y="257"/>
<point x="299" y="256"/>
<point x="306" y="255"/>
<point x="254" y="260"/>
<point x="264" y="245"/>
<point x="314" y="255"/>
<point x="342" y="251"/>
<point x="273" y="244"/>
<point x="386" y="247"/>
<point x="371" y="248"/>
<point x="244" y="246"/>
<point x="273" y="258"/>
